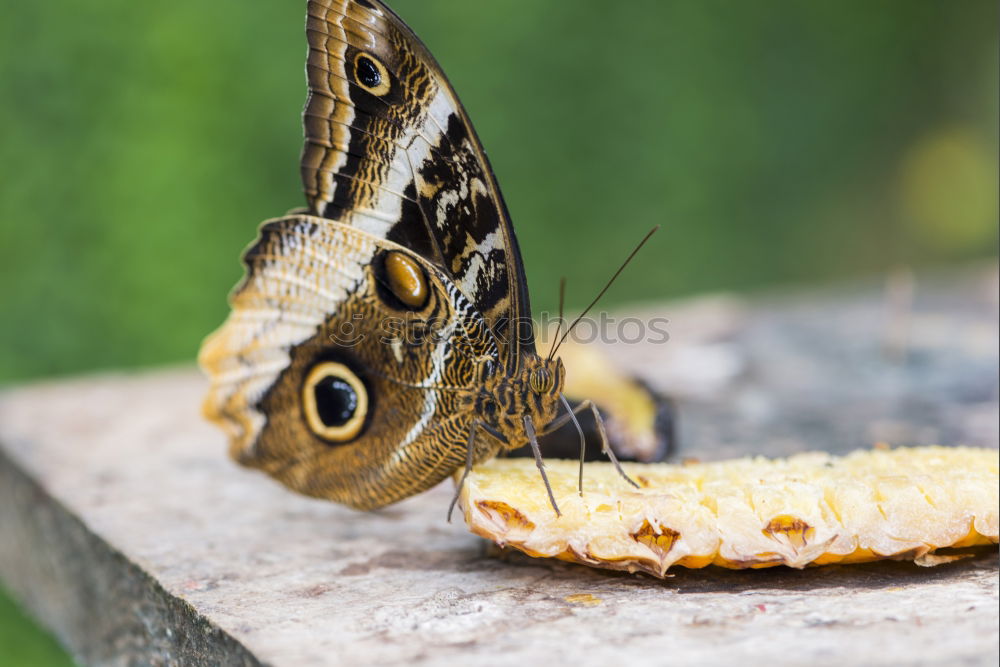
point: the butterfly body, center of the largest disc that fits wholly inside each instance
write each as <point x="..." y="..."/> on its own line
<point x="503" y="402"/>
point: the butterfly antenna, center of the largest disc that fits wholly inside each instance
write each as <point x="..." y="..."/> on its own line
<point x="608" y="285"/>
<point x="562" y="300"/>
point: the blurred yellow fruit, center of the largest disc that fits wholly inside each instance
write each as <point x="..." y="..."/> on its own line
<point x="948" y="189"/>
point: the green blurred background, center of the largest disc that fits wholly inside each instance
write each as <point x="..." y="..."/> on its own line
<point x="777" y="142"/>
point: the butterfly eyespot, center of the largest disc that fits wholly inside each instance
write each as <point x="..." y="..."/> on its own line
<point x="371" y="74"/>
<point x="540" y="380"/>
<point x="335" y="401"/>
<point x="406" y="280"/>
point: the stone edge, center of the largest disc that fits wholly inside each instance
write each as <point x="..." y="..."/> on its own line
<point x="103" y="607"/>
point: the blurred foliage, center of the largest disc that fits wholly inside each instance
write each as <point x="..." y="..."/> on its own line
<point x="23" y="644"/>
<point x="776" y="142"/>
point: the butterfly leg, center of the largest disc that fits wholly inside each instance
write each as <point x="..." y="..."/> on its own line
<point x="529" y="428"/>
<point x="468" y="467"/>
<point x="605" y="447"/>
<point x="583" y="440"/>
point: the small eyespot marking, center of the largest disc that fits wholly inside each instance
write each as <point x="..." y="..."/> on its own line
<point x="406" y="280"/>
<point x="371" y="74"/>
<point x="335" y="401"/>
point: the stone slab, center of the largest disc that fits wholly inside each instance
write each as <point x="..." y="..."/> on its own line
<point x="127" y="531"/>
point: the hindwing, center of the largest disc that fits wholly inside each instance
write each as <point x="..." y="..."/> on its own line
<point x="317" y="299"/>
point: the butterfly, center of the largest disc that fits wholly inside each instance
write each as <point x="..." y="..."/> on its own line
<point x="381" y="337"/>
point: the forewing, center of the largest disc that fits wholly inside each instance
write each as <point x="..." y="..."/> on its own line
<point x="400" y="159"/>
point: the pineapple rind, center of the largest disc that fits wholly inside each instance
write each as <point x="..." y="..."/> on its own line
<point x="811" y="508"/>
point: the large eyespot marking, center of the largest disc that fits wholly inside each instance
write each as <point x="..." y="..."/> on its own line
<point x="371" y="74"/>
<point x="405" y="279"/>
<point x="335" y="401"/>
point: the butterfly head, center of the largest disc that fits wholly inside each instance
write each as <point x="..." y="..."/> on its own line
<point x="505" y="401"/>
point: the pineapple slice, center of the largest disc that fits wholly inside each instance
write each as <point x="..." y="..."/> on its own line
<point x="809" y="509"/>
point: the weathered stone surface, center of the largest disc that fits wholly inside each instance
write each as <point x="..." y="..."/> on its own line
<point x="127" y="531"/>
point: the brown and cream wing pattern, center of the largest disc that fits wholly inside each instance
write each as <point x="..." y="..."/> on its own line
<point x="315" y="297"/>
<point x="390" y="150"/>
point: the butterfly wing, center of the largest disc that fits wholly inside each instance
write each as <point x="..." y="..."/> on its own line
<point x="326" y="380"/>
<point x="390" y="150"/>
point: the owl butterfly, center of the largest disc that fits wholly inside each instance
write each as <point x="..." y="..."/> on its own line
<point x="381" y="339"/>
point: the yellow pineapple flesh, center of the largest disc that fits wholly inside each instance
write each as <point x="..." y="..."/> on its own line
<point x="808" y="509"/>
